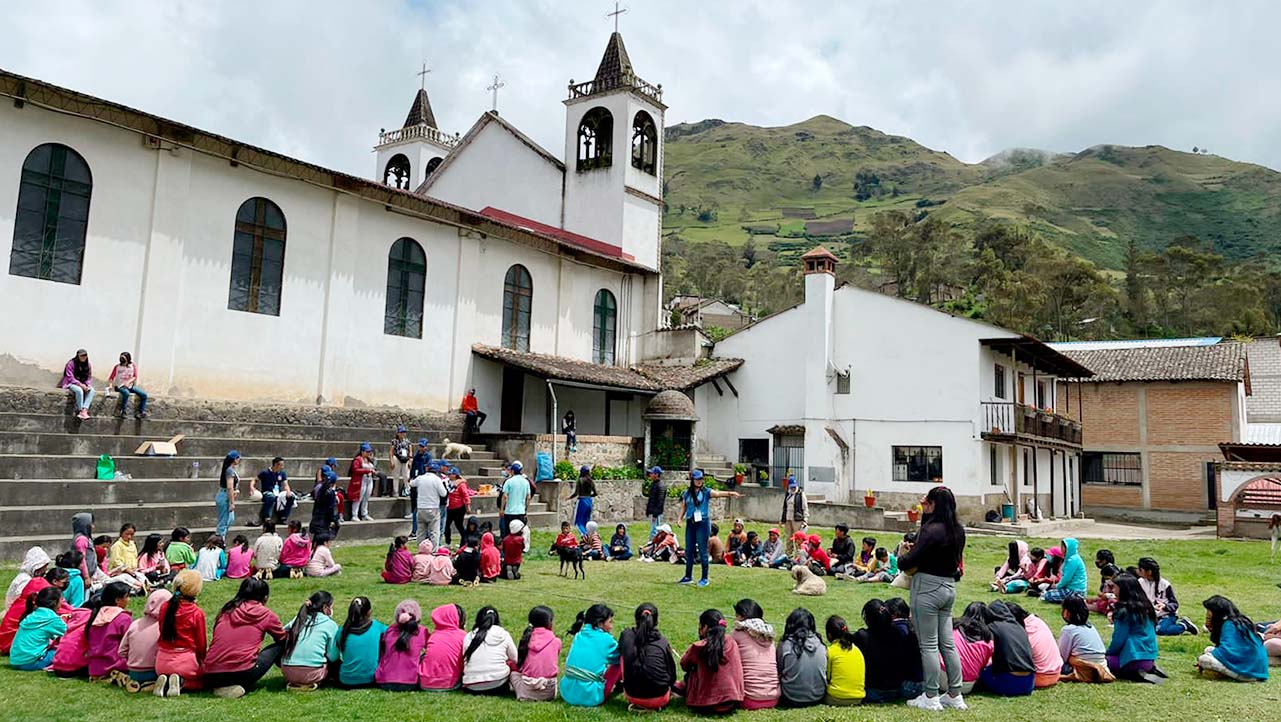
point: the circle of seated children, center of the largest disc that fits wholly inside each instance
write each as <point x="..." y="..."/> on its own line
<point x="738" y="663"/>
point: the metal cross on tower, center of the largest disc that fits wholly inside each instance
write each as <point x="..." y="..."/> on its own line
<point x="494" y="88"/>
<point x="617" y="11"/>
<point x="422" y="74"/>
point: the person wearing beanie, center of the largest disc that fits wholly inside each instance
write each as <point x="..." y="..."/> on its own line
<point x="402" y="646"/>
<point x="593" y="547"/>
<point x="180" y="653"/>
<point x="585" y="492"/>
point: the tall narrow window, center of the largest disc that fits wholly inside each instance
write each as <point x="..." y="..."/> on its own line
<point x="53" y="215"/>
<point x="257" y="258"/>
<point x="397" y="173"/>
<point x="518" y="295"/>
<point x="406" y="282"/>
<point x="604" y="327"/>
<point x="645" y="143"/>
<point x="998" y="382"/>
<point x="595" y="140"/>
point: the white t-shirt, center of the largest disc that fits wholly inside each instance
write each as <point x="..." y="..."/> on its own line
<point x="431" y="490"/>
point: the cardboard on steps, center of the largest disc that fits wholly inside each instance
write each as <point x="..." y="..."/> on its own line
<point x="160" y="448"/>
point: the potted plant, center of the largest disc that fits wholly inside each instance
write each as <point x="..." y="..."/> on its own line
<point x="740" y="473"/>
<point x="914" y="513"/>
<point x="762" y="478"/>
<point x="870" y="499"/>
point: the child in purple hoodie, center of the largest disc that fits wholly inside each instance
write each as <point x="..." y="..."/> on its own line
<point x="538" y="659"/>
<point x="107" y="626"/>
<point x="403" y="644"/>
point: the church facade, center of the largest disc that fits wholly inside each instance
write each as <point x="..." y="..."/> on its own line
<point x="233" y="272"/>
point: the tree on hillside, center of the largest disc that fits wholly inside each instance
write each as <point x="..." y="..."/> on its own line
<point x="1178" y="273"/>
<point x="866" y="185"/>
<point x="817" y="184"/>
<point x="1137" y="310"/>
<point x="922" y="258"/>
<point x="749" y="252"/>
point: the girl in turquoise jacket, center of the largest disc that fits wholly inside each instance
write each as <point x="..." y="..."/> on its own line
<point x="592" y="669"/>
<point x="1132" y="652"/>
<point x="39" y="632"/>
<point x="1072" y="580"/>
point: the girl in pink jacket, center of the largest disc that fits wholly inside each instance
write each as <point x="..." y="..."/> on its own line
<point x="440" y="572"/>
<point x="441" y="669"/>
<point x="403" y="644"/>
<point x="537" y="659"/>
<point x="138" y="645"/>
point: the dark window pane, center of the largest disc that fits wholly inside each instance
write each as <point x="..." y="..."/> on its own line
<point x="257" y="258"/>
<point x="406" y="284"/>
<point x="52" y="216"/>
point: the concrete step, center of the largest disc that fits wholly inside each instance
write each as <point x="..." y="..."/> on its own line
<point x="35" y="466"/>
<point x="63" y="444"/>
<point x="88" y="492"/>
<point x="164" y="428"/>
<point x="12" y="548"/>
<point x="195" y="512"/>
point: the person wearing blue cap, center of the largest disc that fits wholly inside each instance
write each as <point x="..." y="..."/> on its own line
<point x="585" y="492"/>
<point x="228" y="488"/>
<point x="361" y="486"/>
<point x="656" y="501"/>
<point x="417" y="467"/>
<point x="431" y="495"/>
<point x="514" y="500"/>
<point x="324" y="507"/>
<point x="696" y="511"/>
<point x="401" y="455"/>
<point x="796" y="514"/>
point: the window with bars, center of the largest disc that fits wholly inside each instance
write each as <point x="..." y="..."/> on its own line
<point x="1112" y="468"/>
<point x="52" y="217"/>
<point x="644" y="143"/>
<point x="518" y="294"/>
<point x="406" y="285"/>
<point x="257" y="258"/>
<point x="918" y="463"/>
<point x="595" y="140"/>
<point x="604" y="327"/>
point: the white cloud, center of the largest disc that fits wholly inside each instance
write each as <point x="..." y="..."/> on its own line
<point x="318" y="79"/>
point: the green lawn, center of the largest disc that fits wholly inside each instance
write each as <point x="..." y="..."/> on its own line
<point x="1239" y="570"/>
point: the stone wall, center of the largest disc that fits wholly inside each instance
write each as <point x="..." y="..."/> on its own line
<point x="609" y="451"/>
<point x="21" y="399"/>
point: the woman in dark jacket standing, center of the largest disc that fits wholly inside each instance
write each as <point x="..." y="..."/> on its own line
<point x="935" y="560"/>
<point x="657" y="501"/>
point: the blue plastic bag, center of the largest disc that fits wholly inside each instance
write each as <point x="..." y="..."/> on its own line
<point x="543" y="462"/>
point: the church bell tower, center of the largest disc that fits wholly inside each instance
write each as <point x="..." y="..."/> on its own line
<point x="405" y="157"/>
<point x="614" y="157"/>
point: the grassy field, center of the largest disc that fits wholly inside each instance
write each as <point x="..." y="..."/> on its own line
<point x="1239" y="570"/>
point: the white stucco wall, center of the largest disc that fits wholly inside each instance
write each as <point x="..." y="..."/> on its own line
<point x="156" y="278"/>
<point x="496" y="169"/>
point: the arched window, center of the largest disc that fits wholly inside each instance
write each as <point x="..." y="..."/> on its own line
<point x="518" y="296"/>
<point x="432" y="165"/>
<point x="257" y="258"/>
<point x="595" y="140"/>
<point x="645" y="143"/>
<point x="406" y="282"/>
<point x="53" y="215"/>
<point x="397" y="173"/>
<point x="604" y="327"/>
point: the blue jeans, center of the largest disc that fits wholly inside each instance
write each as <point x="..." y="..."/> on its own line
<point x="696" y="536"/>
<point x="583" y="514"/>
<point x="655" y="522"/>
<point x="226" y="517"/>
<point x="1170" y="626"/>
<point x="907" y="690"/>
<point x="444" y="522"/>
<point x="37" y="665"/>
<point x="124" y="399"/>
<point x="83" y="398"/>
<point x="1007" y="685"/>
<point x="269" y="507"/>
<point x="1055" y="595"/>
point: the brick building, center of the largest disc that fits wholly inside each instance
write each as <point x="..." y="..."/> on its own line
<point x="1153" y="416"/>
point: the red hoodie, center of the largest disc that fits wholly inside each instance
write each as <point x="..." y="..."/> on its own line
<point x="189" y="624"/>
<point x="491" y="562"/>
<point x="817" y="554"/>
<point x="513" y="549"/>
<point x="238" y="635"/>
<point x="460" y="496"/>
<point x="13" y="615"/>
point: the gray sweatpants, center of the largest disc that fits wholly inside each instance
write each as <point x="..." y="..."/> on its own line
<point x="429" y="524"/>
<point x="932" y="600"/>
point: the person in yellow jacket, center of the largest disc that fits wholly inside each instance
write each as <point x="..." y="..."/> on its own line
<point x="845" y="668"/>
<point x="123" y="554"/>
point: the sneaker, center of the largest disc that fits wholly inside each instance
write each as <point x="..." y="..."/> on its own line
<point x="175" y="686"/>
<point x="929" y="704"/>
<point x="408" y="517"/>
<point x="233" y="692"/>
<point x="950" y="702"/>
<point x="162" y="682"/>
<point x="82" y="414"/>
<point x="302" y="687"/>
<point x="704" y="582"/>
<point x="686" y="580"/>
<point x="1189" y="625"/>
<point x="142" y="415"/>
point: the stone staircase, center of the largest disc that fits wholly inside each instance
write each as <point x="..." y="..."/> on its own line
<point x="48" y="464"/>
<point x="714" y="464"/>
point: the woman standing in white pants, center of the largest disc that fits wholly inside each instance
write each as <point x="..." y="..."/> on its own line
<point x="935" y="560"/>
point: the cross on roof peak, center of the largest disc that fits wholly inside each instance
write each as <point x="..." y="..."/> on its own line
<point x="422" y="74"/>
<point x="618" y="10"/>
<point x="494" y="89"/>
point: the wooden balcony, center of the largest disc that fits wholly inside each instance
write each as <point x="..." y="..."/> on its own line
<point x="1009" y="421"/>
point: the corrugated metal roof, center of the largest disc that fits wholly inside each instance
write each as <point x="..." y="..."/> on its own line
<point x="1263" y="434"/>
<point x="1134" y="343"/>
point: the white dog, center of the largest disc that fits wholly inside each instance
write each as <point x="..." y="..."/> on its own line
<point x="459" y="451"/>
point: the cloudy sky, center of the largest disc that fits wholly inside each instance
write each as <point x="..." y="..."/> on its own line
<point x="318" y="79"/>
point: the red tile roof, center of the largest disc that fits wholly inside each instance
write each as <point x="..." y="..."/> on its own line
<point x="559" y="234"/>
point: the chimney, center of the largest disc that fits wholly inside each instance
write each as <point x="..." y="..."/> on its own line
<point x="820" y="288"/>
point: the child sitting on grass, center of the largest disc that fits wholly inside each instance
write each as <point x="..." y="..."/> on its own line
<point x="620" y="545"/>
<point x="236" y="659"/>
<point x="564" y="540"/>
<point x="1017" y="568"/>
<point x="491" y="562"/>
<point x="321" y="563"/>
<point x="311" y="644"/>
<point x="180" y="653"/>
<point x="1081" y="647"/>
<point x="716" y="546"/>
<point x="663" y="547"/>
<point x="1106" y="600"/>
<point x="773" y="552"/>
<point x="440" y="570"/>
<point x="592" y="546"/>
<point x="359" y="645"/>
<point x="39" y="630"/>
<point x="441" y="668"/>
<point x="1132" y="652"/>
<point x="211" y="562"/>
<point x="713" y="669"/>
<point x="1236" y="650"/>
<point x="845" y="666"/>
<point x="399" y="564"/>
<point x="748" y="554"/>
<point x="107" y="625"/>
<point x="1045" y="650"/>
<point x="295" y="553"/>
<point x="591" y="668"/>
<point x="239" y="558"/>
<point x="649" y="667"/>
<point x="733" y="542"/>
<point x="537" y="659"/>
<point x="138" y="645"/>
<point x="1161" y="594"/>
<point x="402" y="648"/>
<point x="488" y="653"/>
<point x="267" y="549"/>
<point x="883" y="570"/>
<point x="179" y="551"/>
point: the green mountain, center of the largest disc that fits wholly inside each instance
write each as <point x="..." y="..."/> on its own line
<point x="792" y="186"/>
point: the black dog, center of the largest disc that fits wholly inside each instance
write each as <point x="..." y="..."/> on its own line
<point x="572" y="556"/>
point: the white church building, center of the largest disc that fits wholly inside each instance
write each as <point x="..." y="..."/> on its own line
<point x="854" y="391"/>
<point x="234" y="272"/>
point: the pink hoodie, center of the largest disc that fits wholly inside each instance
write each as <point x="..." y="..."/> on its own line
<point x="296" y="551"/>
<point x="543" y="659"/>
<point x="422" y="562"/>
<point x="108" y="629"/>
<point x="138" y="645"/>
<point x="73" y="650"/>
<point x="399" y="567"/>
<point x="441" y="668"/>
<point x="440" y="571"/>
<point x="491" y="562"/>
<point x="395" y="666"/>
